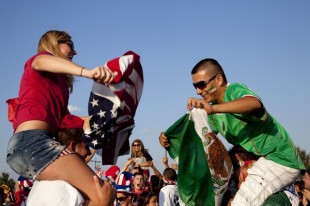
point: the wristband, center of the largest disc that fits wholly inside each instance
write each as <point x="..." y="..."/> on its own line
<point x="82" y="71"/>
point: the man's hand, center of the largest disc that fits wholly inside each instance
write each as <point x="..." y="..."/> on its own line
<point x="200" y="104"/>
<point x="165" y="160"/>
<point x="163" y="140"/>
<point x="106" y="192"/>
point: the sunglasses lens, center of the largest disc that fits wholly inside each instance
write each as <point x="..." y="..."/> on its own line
<point x="200" y="85"/>
<point x="121" y="199"/>
<point x="71" y="45"/>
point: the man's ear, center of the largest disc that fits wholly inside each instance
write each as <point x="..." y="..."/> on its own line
<point x="72" y="145"/>
<point x="239" y="159"/>
<point x="220" y="80"/>
<point x="251" y="164"/>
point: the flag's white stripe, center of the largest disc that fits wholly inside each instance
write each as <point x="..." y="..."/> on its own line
<point x="138" y="82"/>
<point x="124" y="61"/>
<point x="103" y="91"/>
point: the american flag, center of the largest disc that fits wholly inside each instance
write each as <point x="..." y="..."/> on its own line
<point x="112" y="108"/>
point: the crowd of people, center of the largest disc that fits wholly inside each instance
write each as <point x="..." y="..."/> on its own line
<point x="135" y="187"/>
<point x="47" y="145"/>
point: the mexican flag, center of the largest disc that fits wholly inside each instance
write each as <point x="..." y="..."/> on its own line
<point x="200" y="183"/>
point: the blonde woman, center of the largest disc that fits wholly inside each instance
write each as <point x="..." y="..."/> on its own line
<point x="43" y="101"/>
<point x="141" y="157"/>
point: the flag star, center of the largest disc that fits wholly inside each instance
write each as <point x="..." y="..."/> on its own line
<point x="95" y="125"/>
<point x="113" y="113"/>
<point x="94" y="102"/>
<point x="101" y="113"/>
<point x="95" y="142"/>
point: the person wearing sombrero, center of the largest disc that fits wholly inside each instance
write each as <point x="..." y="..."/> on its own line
<point x="123" y="187"/>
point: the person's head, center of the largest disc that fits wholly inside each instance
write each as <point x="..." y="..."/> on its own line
<point x="123" y="198"/>
<point x="297" y="186"/>
<point x="138" y="181"/>
<point x="71" y="135"/>
<point x="306" y="178"/>
<point x="137" y="169"/>
<point x="155" y="184"/>
<point x="169" y="176"/>
<point x="73" y="139"/>
<point x="241" y="160"/>
<point x="147" y="199"/>
<point x="123" y="189"/>
<point x="209" y="80"/>
<point x="60" y="44"/>
<point x="154" y="180"/>
<point x="137" y="148"/>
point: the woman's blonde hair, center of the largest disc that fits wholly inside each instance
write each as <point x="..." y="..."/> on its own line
<point x="140" y="152"/>
<point x="49" y="42"/>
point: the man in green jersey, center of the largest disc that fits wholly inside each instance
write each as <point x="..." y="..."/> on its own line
<point x="239" y="115"/>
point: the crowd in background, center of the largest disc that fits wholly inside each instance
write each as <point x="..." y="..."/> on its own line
<point x="139" y="182"/>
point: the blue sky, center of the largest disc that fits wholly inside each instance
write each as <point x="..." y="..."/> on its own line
<point x="264" y="44"/>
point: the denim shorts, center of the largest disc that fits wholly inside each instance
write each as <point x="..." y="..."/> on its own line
<point x="31" y="151"/>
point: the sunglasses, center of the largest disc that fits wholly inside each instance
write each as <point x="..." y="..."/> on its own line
<point x="136" y="145"/>
<point x="121" y="199"/>
<point x="69" y="43"/>
<point x="242" y="163"/>
<point x="203" y="84"/>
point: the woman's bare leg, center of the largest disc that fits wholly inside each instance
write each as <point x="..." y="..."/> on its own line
<point x="76" y="172"/>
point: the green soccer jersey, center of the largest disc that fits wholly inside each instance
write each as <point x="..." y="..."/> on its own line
<point x="263" y="136"/>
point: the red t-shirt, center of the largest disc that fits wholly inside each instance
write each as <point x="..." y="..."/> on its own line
<point x="42" y="96"/>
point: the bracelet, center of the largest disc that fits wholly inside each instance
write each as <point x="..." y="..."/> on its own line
<point x="82" y="71"/>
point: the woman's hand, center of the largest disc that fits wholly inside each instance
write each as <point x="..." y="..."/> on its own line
<point x="100" y="74"/>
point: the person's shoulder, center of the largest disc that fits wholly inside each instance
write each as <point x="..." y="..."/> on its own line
<point x="38" y="54"/>
<point x="43" y="53"/>
<point x="147" y="155"/>
<point x="169" y="188"/>
<point x="239" y="90"/>
<point x="235" y="85"/>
